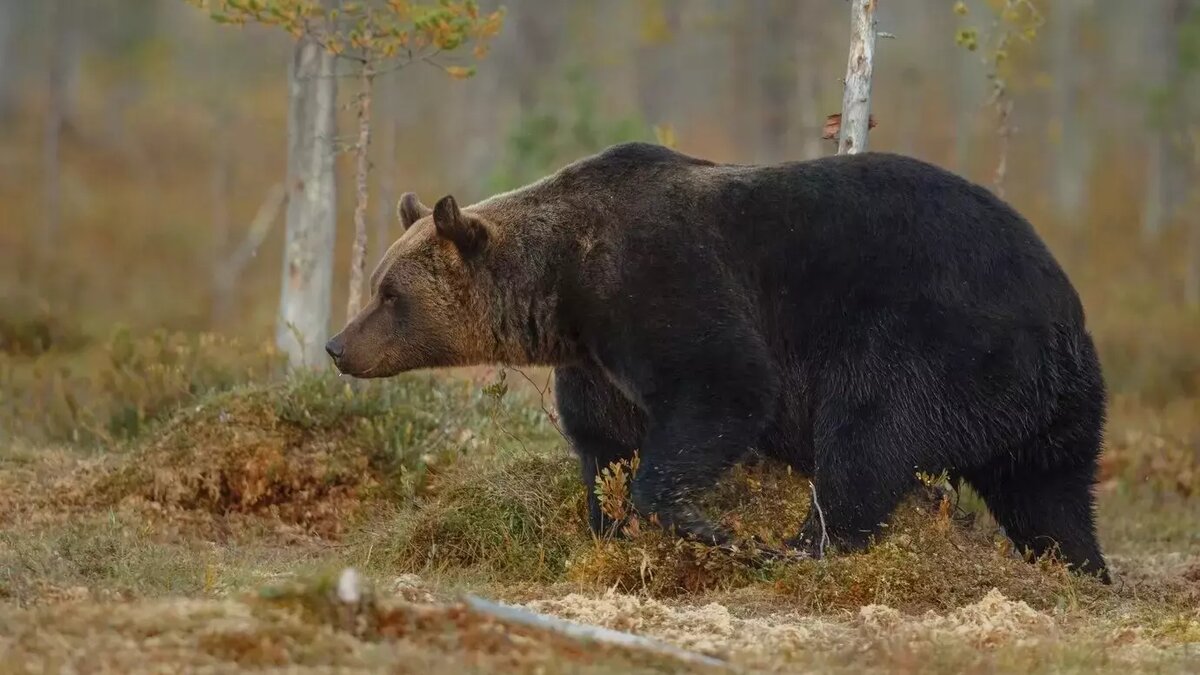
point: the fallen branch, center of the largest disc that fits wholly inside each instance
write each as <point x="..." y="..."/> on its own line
<point x="579" y="631"/>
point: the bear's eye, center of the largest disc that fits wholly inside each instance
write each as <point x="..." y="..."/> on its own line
<point x="388" y="298"/>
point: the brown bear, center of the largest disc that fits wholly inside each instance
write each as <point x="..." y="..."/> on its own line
<point x="863" y="318"/>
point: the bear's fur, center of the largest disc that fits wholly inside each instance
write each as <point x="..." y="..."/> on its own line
<point x="862" y="317"/>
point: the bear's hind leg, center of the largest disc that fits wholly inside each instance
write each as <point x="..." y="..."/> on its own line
<point x="1047" y="510"/>
<point x="856" y="482"/>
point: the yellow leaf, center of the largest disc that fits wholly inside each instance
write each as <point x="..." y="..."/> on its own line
<point x="665" y="134"/>
<point x="459" y="72"/>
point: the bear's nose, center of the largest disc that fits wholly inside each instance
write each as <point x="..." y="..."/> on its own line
<point x="335" y="348"/>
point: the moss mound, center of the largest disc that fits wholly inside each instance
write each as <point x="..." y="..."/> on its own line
<point x="516" y="518"/>
<point x="310" y="451"/>
<point x="932" y="555"/>
<point x="522" y="520"/>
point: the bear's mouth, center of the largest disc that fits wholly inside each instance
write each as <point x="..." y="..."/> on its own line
<point x="368" y="372"/>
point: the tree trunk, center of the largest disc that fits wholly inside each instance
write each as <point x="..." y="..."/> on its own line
<point x="1070" y="160"/>
<point x="1159" y="198"/>
<point x="303" y="322"/>
<point x="358" y="255"/>
<point x="856" y="98"/>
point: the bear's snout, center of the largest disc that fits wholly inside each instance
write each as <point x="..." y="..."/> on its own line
<point x="335" y="348"/>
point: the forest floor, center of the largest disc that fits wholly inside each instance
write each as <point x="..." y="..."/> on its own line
<point x="212" y="538"/>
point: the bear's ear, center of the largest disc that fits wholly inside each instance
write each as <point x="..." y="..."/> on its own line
<point x="410" y="209"/>
<point x="468" y="233"/>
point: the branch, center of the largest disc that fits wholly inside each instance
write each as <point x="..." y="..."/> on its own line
<point x="578" y="631"/>
<point x="268" y="212"/>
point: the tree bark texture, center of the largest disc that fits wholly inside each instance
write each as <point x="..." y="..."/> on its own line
<point x="856" y="97"/>
<point x="304" y="305"/>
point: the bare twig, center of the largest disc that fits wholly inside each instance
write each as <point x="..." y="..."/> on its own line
<point x="542" y="391"/>
<point x="820" y="515"/>
<point x="260" y="226"/>
<point x="226" y="272"/>
<point x="579" y="631"/>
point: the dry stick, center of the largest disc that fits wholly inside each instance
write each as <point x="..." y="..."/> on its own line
<point x="1005" y="132"/>
<point x="580" y="631"/>
<point x="542" y="391"/>
<point x="227" y="272"/>
<point x="821" y="515"/>
<point x="358" y="256"/>
<point x="856" y="97"/>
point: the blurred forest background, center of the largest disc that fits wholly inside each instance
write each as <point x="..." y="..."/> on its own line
<point x="140" y="138"/>
<point x="150" y="449"/>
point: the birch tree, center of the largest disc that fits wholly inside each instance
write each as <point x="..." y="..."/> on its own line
<point x="377" y="37"/>
<point x="306" y="284"/>
<point x="856" y="97"/>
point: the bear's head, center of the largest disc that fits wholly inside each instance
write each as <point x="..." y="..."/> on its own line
<point x="427" y="307"/>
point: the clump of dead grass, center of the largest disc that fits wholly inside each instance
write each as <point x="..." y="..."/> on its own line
<point x="116" y="389"/>
<point x="523" y="520"/>
<point x="511" y="518"/>
<point x="1153" y="445"/>
<point x="29" y="328"/>
<point x="311" y="451"/>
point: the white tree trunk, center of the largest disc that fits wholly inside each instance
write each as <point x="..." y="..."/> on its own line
<point x="304" y="304"/>
<point x="856" y="98"/>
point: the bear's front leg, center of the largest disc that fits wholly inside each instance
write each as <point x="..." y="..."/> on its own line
<point x="687" y="449"/>
<point x="603" y="427"/>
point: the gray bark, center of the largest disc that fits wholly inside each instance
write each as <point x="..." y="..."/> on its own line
<point x="307" y="279"/>
<point x="856" y="97"/>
